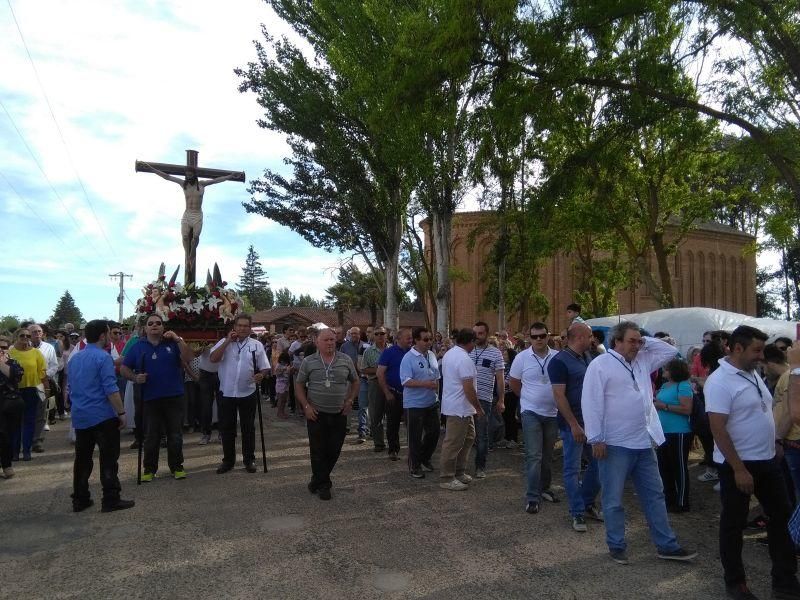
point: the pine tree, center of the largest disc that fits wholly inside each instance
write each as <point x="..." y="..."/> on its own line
<point x="254" y="284"/>
<point x="65" y="312"/>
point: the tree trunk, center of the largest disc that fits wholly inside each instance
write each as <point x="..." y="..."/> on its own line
<point x="391" y="315"/>
<point x="440" y="236"/>
<point x="666" y="297"/>
<point x="501" y="294"/>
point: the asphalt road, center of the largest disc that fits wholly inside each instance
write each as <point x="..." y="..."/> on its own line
<point x="384" y="535"/>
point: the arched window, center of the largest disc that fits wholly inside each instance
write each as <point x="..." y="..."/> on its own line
<point x="691" y="300"/>
<point x="712" y="275"/>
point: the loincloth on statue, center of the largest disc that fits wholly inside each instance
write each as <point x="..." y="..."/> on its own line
<point x="192" y="223"/>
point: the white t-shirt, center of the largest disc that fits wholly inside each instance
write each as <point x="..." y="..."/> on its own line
<point x="537" y="393"/>
<point x="751" y="425"/>
<point x="457" y="366"/>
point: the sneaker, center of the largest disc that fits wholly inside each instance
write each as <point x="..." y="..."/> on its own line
<point x="708" y="475"/>
<point x="579" y="523"/>
<point x="427" y="466"/>
<point x="594" y="513"/>
<point x="82" y="505"/>
<point x="511" y="444"/>
<point x="549" y="496"/>
<point x="619" y="556"/>
<point x="179" y="474"/>
<point x="361" y="439"/>
<point x="148" y="477"/>
<point x="716" y="487"/>
<point x="250" y="468"/>
<point x="38" y="448"/>
<point x="791" y="591"/>
<point x="119" y="505"/>
<point x="480" y="474"/>
<point x="453" y="486"/>
<point x="532" y="508"/>
<point x="680" y="554"/>
<point x="134" y="445"/>
<point x="325" y="494"/>
<point x="464" y="478"/>
<point x="204" y="439"/>
<point x="8" y="472"/>
<point x="417" y="473"/>
<point x="740" y="591"/>
<point x="392" y="455"/>
<point x="47" y="427"/>
<point x="501" y="444"/>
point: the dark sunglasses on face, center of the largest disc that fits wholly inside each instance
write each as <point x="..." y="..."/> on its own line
<point x="539" y="336"/>
<point x="380" y="333"/>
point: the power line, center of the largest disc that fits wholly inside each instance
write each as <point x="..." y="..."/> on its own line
<point x="58" y="128"/>
<point x="33" y="210"/>
<point x="47" y="179"/>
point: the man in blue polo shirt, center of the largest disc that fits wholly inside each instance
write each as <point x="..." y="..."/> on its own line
<point x="97" y="416"/>
<point x="157" y="359"/>
<point x="389" y="379"/>
<point x="566" y="371"/>
<point x="419" y="374"/>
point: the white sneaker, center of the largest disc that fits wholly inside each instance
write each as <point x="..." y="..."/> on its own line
<point x="480" y="474"/>
<point x="708" y="475"/>
<point x="454" y="486"/>
<point x="511" y="445"/>
<point x="46" y="427"/>
<point x="464" y="478"/>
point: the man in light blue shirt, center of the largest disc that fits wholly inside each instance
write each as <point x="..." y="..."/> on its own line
<point x="97" y="415"/>
<point x="419" y="375"/>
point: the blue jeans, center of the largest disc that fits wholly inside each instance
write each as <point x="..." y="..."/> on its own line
<point x="641" y="466"/>
<point x="482" y="435"/>
<point x="540" y="435"/>
<point x="581" y="494"/>
<point x="24" y="435"/>
<point x="792" y="457"/>
<point x="363" y="405"/>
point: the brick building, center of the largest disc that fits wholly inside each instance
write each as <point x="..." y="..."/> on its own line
<point x="711" y="268"/>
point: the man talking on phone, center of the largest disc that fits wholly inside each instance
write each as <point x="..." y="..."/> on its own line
<point x="242" y="365"/>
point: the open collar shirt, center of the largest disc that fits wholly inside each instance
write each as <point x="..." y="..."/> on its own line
<point x="236" y="367"/>
<point x="617" y="397"/>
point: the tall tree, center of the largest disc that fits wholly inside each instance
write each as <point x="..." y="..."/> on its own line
<point x="254" y="284"/>
<point x="65" y="312"/>
<point x="356" y="290"/>
<point x="284" y="297"/>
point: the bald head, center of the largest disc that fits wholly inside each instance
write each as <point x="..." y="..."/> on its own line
<point x="579" y="337"/>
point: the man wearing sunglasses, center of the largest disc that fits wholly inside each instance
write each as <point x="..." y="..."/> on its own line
<point x="529" y="379"/>
<point x="156" y="363"/>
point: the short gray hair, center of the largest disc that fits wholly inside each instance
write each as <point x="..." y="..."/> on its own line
<point x="620" y="329"/>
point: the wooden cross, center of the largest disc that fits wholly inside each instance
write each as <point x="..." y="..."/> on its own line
<point x="193" y="189"/>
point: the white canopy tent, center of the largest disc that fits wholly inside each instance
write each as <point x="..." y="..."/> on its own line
<point x="686" y="325"/>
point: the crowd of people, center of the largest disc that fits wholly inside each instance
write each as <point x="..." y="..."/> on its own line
<point x="625" y="406"/>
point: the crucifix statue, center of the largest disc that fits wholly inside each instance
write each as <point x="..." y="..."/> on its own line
<point x="193" y="189"/>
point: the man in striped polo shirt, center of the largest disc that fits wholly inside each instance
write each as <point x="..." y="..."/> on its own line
<point x="491" y="368"/>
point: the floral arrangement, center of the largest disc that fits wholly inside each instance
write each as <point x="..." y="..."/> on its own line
<point x="191" y="306"/>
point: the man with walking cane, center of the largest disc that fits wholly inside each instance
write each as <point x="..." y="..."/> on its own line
<point x="242" y="365"/>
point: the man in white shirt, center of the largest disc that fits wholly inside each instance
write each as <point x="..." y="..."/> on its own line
<point x="622" y="425"/>
<point x="459" y="404"/>
<point x="242" y="366"/>
<point x="739" y="408"/>
<point x="51" y="366"/>
<point x="528" y="378"/>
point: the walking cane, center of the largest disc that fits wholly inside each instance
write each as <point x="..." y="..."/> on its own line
<point x="137" y="395"/>
<point x="260" y="418"/>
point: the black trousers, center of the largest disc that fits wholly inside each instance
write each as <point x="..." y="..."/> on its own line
<point x="511" y="401"/>
<point x="770" y="490"/>
<point x="673" y="465"/>
<point x="105" y="436"/>
<point x="246" y="408"/>
<point x="325" y="438"/>
<point x="209" y="393"/>
<point x="166" y="414"/>
<point x="10" y="422"/>
<point x="394" y="414"/>
<point x="422" y="425"/>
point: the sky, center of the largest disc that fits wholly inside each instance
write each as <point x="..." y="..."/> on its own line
<point x="131" y="80"/>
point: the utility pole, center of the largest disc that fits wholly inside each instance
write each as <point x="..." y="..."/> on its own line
<point x="121" y="297"/>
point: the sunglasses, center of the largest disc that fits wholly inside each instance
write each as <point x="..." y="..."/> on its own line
<point x="380" y="333"/>
<point x="539" y="336"/>
<point x="24" y="335"/>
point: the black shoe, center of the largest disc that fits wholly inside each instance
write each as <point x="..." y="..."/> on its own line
<point x="740" y="591"/>
<point x="224" y="468"/>
<point x="426" y="465"/>
<point x="680" y="555"/>
<point x="38" y="448"/>
<point x="118" y="505"/>
<point x="532" y="508"/>
<point x="82" y="505"/>
<point x="417" y="473"/>
<point x="788" y="591"/>
<point x="379" y="448"/>
<point x="325" y="494"/>
<point x="134" y="445"/>
<point x="393" y="455"/>
<point x="250" y="468"/>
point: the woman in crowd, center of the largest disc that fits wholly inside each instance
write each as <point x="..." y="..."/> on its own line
<point x="62" y="338"/>
<point x="674" y="404"/>
<point x="34" y="375"/>
<point x="11" y="404"/>
<point x="281" y="370"/>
